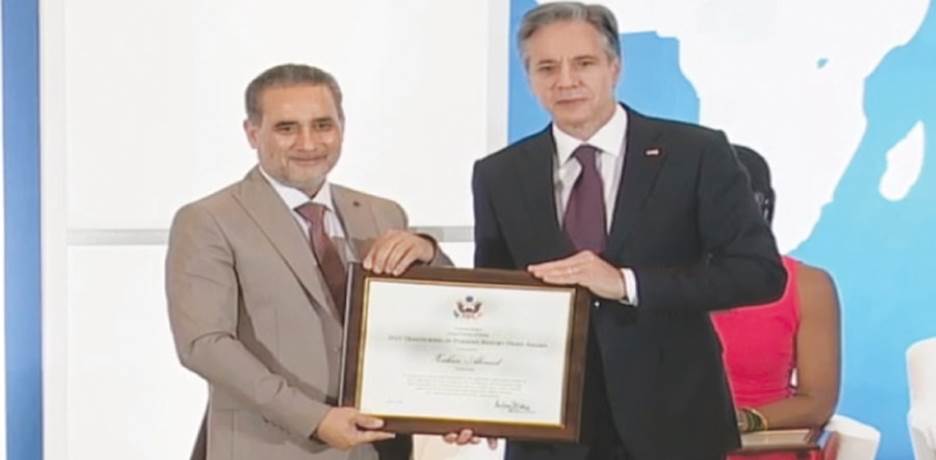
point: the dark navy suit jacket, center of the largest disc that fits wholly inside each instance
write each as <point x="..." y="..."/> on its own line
<point x="686" y="223"/>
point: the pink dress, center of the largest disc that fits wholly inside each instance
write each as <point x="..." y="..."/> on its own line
<point x="760" y="345"/>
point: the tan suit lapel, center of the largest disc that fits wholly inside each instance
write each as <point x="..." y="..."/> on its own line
<point x="269" y="212"/>
<point x="358" y="220"/>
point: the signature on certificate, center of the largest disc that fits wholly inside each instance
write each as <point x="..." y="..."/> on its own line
<point x="513" y="407"/>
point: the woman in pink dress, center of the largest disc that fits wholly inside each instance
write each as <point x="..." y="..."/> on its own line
<point x="783" y="358"/>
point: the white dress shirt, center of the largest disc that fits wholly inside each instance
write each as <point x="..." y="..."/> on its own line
<point x="609" y="140"/>
<point x="293" y="198"/>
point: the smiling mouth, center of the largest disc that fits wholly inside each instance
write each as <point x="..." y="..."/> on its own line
<point x="309" y="160"/>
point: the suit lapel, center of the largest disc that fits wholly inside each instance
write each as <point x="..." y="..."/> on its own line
<point x="641" y="167"/>
<point x="270" y="214"/>
<point x="357" y="219"/>
<point x="535" y="171"/>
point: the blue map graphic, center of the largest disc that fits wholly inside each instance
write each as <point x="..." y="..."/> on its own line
<point x="882" y="254"/>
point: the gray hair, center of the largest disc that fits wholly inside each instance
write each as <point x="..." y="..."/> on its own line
<point x="599" y="16"/>
<point x="288" y="75"/>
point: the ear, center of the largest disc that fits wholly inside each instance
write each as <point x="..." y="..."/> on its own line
<point x="250" y="130"/>
<point x="616" y="68"/>
<point x="341" y="125"/>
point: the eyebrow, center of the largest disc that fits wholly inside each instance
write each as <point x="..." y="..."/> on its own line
<point x="295" y="122"/>
<point x="573" y="58"/>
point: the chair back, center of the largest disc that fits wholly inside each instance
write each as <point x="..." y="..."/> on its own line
<point x="921" y="378"/>
<point x="856" y="440"/>
<point x="921" y="370"/>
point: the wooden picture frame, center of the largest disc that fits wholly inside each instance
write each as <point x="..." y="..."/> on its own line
<point x="355" y="367"/>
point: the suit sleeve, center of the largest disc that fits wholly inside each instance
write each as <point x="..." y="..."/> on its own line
<point x="490" y="246"/>
<point x="203" y="298"/>
<point x="441" y="259"/>
<point x="739" y="263"/>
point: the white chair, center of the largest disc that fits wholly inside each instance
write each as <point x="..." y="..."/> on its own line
<point x="921" y="377"/>
<point x="856" y="440"/>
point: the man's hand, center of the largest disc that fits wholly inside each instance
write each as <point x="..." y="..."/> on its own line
<point x="585" y="269"/>
<point x="467" y="437"/>
<point x="396" y="250"/>
<point x="345" y="427"/>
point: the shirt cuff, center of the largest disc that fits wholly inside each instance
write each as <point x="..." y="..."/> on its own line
<point x="630" y="283"/>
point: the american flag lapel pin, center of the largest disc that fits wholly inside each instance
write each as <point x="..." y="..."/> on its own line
<point x="652" y="152"/>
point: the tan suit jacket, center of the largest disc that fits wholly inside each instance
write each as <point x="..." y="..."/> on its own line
<point x="250" y="312"/>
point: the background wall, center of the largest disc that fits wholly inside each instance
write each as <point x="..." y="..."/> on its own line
<point x="142" y="112"/>
<point x="141" y="109"/>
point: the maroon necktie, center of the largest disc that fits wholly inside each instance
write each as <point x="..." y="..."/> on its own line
<point x="330" y="263"/>
<point x="584" y="220"/>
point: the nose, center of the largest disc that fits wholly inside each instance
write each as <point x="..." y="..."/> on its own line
<point x="567" y="75"/>
<point x="306" y="140"/>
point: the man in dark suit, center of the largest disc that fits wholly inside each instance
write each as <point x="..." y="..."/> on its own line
<point x="654" y="217"/>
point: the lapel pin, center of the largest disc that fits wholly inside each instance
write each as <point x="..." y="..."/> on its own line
<point x="652" y="152"/>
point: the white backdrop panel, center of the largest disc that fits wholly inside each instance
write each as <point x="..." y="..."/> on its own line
<point x="462" y="254"/>
<point x="128" y="397"/>
<point x="154" y="98"/>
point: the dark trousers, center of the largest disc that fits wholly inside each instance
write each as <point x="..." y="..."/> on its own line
<point x="599" y="438"/>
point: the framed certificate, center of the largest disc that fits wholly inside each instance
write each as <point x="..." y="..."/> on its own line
<point x="437" y="350"/>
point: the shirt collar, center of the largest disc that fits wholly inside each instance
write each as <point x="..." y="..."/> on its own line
<point x="609" y="138"/>
<point x="294" y="197"/>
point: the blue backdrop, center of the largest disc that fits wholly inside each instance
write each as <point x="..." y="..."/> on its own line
<point x="21" y="225"/>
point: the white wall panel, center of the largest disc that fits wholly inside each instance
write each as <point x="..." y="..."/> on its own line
<point x="128" y="397"/>
<point x="154" y="99"/>
<point x="53" y="165"/>
<point x="142" y="112"/>
<point x="462" y="254"/>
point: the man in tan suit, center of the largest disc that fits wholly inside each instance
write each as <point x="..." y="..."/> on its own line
<point x="255" y="278"/>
